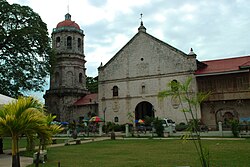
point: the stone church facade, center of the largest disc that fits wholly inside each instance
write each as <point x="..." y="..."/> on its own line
<point x="131" y="80"/>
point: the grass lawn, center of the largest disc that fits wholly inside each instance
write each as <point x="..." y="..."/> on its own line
<point x="149" y="153"/>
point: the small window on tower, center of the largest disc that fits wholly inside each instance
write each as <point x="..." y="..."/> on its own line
<point x="80" y="77"/>
<point x="69" y="42"/>
<point x="79" y="44"/>
<point x="115" y="91"/>
<point x="58" y="41"/>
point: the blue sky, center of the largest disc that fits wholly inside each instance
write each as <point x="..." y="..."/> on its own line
<point x="215" y="29"/>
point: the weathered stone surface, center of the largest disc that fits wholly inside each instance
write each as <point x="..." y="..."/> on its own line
<point x="140" y="70"/>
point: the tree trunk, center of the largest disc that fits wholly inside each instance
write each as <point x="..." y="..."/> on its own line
<point x="1" y="145"/>
<point x="38" y="153"/>
<point x="15" y="158"/>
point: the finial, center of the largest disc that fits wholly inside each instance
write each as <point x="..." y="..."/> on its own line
<point x="68" y="6"/>
<point x="191" y="53"/>
<point x="141" y="28"/>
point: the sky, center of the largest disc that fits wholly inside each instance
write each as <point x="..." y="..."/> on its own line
<point x="215" y="29"/>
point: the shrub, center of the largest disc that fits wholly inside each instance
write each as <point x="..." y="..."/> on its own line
<point x="158" y="127"/>
<point x="181" y="127"/>
<point x="235" y="127"/>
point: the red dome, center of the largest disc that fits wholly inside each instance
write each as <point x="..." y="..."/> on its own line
<point x="68" y="23"/>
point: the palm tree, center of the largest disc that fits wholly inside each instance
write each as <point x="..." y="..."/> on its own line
<point x="23" y="116"/>
<point x="45" y="134"/>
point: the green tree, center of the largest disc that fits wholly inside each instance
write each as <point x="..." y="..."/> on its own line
<point x="189" y="102"/>
<point x="23" y="116"/>
<point x="92" y="84"/>
<point x="24" y="50"/>
<point x="45" y="134"/>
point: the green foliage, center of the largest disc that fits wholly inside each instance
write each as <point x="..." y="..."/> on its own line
<point x="148" y="121"/>
<point x="189" y="102"/>
<point x="24" y="50"/>
<point x="92" y="84"/>
<point x="235" y="127"/>
<point x="111" y="126"/>
<point x="159" y="129"/>
<point x="181" y="127"/>
<point x="25" y="116"/>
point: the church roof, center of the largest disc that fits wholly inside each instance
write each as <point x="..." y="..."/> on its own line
<point x="223" y="66"/>
<point x="86" y="100"/>
<point x="142" y="30"/>
<point x="68" y="23"/>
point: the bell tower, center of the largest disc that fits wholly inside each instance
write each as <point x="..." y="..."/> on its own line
<point x="68" y="78"/>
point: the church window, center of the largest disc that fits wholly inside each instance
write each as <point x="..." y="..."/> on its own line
<point x="115" y="91"/>
<point x="116" y="119"/>
<point x="80" y="77"/>
<point x="79" y="44"/>
<point x="174" y="85"/>
<point x="69" y="42"/>
<point x="143" y="87"/>
<point x="58" y="40"/>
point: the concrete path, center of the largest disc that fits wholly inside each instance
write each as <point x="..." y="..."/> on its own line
<point x="6" y="160"/>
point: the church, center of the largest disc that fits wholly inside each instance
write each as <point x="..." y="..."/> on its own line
<point x="130" y="81"/>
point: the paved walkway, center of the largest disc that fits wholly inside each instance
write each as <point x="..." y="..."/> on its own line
<point x="6" y="160"/>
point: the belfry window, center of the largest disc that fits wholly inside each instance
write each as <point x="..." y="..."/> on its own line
<point x="115" y="91"/>
<point x="69" y="42"/>
<point x="79" y="44"/>
<point x="58" y="40"/>
<point x="80" y="77"/>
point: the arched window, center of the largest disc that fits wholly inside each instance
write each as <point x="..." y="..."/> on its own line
<point x="174" y="85"/>
<point x="79" y="44"/>
<point x="115" y="91"/>
<point x="58" y="40"/>
<point x="80" y="77"/>
<point x="143" y="88"/>
<point x="69" y="42"/>
<point x="116" y="119"/>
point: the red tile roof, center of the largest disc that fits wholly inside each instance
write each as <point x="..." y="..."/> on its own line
<point x="86" y="100"/>
<point x="225" y="65"/>
<point x="68" y="23"/>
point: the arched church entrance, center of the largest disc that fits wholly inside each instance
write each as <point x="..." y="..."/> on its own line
<point x="144" y="109"/>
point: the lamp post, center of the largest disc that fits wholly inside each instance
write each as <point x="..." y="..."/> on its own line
<point x="104" y="115"/>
